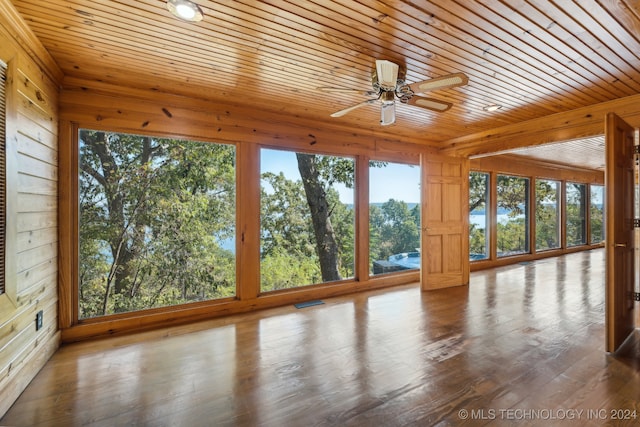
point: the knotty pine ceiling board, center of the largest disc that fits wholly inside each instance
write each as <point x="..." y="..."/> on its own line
<point x="533" y="57"/>
<point x="587" y="153"/>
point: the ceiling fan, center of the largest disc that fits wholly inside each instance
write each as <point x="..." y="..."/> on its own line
<point x="388" y="84"/>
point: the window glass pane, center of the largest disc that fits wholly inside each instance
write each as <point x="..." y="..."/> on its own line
<point x="596" y="213"/>
<point x="394" y="217"/>
<point x="157" y="222"/>
<point x="547" y="214"/>
<point x="576" y="214"/>
<point x="307" y="219"/>
<point x="513" y="215"/>
<point x="478" y="215"/>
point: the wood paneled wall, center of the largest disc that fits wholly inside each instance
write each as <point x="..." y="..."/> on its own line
<point x="96" y="105"/>
<point x="32" y="172"/>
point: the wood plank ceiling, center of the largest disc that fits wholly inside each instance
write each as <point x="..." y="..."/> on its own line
<point x="584" y="152"/>
<point x="531" y="57"/>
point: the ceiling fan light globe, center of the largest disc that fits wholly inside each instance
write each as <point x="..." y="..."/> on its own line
<point x="387" y="113"/>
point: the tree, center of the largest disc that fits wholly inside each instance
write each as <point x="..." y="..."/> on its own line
<point x="478" y="188"/>
<point x="576" y="213"/>
<point x="478" y="196"/>
<point x="547" y="215"/>
<point x="596" y="214"/>
<point x="512" y="194"/>
<point x="152" y="215"/>
<point x="299" y="219"/>
<point x="394" y="229"/>
<point x="316" y="193"/>
<point x="284" y="218"/>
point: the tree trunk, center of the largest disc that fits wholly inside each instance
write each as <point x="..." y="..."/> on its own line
<point x="124" y="243"/>
<point x="326" y="244"/>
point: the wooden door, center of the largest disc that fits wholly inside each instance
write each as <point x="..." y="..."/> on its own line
<point x="620" y="270"/>
<point x="445" y="222"/>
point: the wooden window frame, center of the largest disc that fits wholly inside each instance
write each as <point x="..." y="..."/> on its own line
<point x="495" y="166"/>
<point x="124" y="314"/>
<point x="586" y="202"/>
<point x="368" y="242"/>
<point x="8" y="298"/>
<point x="3" y="176"/>
<point x="529" y="223"/>
<point x="489" y="223"/>
<point x="248" y="295"/>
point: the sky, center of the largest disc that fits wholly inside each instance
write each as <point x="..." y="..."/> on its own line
<point x="394" y="181"/>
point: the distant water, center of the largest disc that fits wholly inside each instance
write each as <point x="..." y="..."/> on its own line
<point x="480" y="219"/>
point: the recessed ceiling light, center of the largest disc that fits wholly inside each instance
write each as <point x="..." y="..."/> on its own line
<point x="185" y="10"/>
<point x="492" y="107"/>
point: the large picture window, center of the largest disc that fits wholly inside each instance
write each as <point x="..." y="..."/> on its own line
<point x="547" y="214"/>
<point x="156" y="222"/>
<point x="478" y="215"/>
<point x="576" y="214"/>
<point x="306" y="219"/>
<point x="513" y="215"/>
<point x="394" y="217"/>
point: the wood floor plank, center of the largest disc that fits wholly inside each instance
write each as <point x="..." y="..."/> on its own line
<point x="522" y="345"/>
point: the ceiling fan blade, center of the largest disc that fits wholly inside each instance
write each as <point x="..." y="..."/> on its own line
<point x="344" y="90"/>
<point x="353" y="107"/>
<point x="444" y="82"/>
<point x="429" y="103"/>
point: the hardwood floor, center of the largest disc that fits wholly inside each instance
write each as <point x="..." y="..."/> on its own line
<point x="522" y="345"/>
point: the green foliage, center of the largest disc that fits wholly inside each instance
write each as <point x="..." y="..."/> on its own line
<point x="284" y="217"/>
<point x="547" y="215"/>
<point x="336" y="169"/>
<point x="512" y="237"/>
<point x="393" y="229"/>
<point x="477" y="240"/>
<point x="576" y="214"/>
<point x="512" y="195"/>
<point x="289" y="249"/>
<point x="478" y="198"/>
<point x="282" y="270"/>
<point x="596" y="212"/>
<point x="478" y="191"/>
<point x="152" y="215"/>
<point x="343" y="220"/>
<point x="512" y="192"/>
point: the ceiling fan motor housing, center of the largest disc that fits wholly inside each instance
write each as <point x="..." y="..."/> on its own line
<point x="387" y="96"/>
